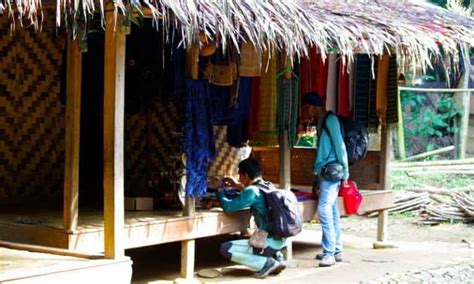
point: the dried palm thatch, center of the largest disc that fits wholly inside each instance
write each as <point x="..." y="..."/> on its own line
<point x="414" y="28"/>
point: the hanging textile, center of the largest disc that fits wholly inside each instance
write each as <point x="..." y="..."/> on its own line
<point x="304" y="76"/>
<point x="344" y="93"/>
<point x="318" y="73"/>
<point x="267" y="132"/>
<point x="288" y="107"/>
<point x="198" y="138"/>
<point x="331" y="91"/>
<point x="237" y="132"/>
<point x="382" y="81"/>
<point x="392" y="91"/>
<point x="254" y="107"/>
<point x="362" y="89"/>
<point x="373" y="117"/>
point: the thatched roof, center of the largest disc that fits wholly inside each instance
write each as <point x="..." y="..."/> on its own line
<point x="416" y="29"/>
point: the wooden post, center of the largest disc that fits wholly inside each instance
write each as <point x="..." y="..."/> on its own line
<point x="285" y="180"/>
<point x="382" y="223"/>
<point x="72" y="139"/>
<point x="187" y="259"/>
<point x="384" y="180"/>
<point x="385" y="149"/>
<point x="114" y="75"/>
<point x="401" y="131"/>
<point x="464" y="101"/>
<point x="188" y="246"/>
<point x="285" y="161"/>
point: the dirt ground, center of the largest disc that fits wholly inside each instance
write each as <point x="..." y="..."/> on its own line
<point x="433" y="254"/>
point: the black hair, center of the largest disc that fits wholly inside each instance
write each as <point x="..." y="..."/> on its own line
<point x="250" y="167"/>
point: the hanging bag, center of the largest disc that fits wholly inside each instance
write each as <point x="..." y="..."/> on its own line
<point x="250" y="61"/>
<point x="351" y="196"/>
<point x="224" y="72"/>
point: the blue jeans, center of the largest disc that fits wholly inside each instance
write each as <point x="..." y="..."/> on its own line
<point x="329" y="216"/>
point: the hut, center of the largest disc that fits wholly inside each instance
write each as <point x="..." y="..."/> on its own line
<point x="48" y="124"/>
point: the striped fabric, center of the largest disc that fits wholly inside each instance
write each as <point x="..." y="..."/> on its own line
<point x="288" y="108"/>
<point x="267" y="132"/>
<point x="362" y="89"/>
<point x="392" y="91"/>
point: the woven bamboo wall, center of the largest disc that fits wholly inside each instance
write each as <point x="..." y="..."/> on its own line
<point x="153" y="146"/>
<point x="31" y="114"/>
<point x="227" y="157"/>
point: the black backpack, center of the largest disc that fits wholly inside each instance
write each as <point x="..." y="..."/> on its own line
<point x="356" y="137"/>
<point x="283" y="213"/>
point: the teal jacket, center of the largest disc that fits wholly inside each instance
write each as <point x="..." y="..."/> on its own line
<point x="249" y="197"/>
<point x="331" y="146"/>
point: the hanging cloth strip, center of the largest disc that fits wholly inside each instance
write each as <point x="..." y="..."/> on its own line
<point x="237" y="132"/>
<point x="319" y="73"/>
<point x="288" y="106"/>
<point x="267" y="133"/>
<point x="344" y="93"/>
<point x="382" y="81"/>
<point x="362" y="89"/>
<point x="305" y="75"/>
<point x="392" y="91"/>
<point x="198" y="137"/>
<point x="254" y="107"/>
<point x="373" y="118"/>
<point x="331" y="91"/>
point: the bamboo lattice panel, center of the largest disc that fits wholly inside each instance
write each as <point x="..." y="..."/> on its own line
<point x="227" y="157"/>
<point x="135" y="152"/>
<point x="31" y="114"/>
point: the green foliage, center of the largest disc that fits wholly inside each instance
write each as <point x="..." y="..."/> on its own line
<point x="427" y="119"/>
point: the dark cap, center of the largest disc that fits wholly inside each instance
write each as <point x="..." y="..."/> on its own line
<point x="313" y="98"/>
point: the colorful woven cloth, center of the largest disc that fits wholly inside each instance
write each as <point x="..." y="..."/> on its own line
<point x="267" y="133"/>
<point x="198" y="137"/>
<point x="288" y="107"/>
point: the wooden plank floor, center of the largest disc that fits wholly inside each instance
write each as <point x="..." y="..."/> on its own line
<point x="143" y="228"/>
<point x="20" y="266"/>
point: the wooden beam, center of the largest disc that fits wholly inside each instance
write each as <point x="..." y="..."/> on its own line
<point x="50" y="250"/>
<point x="285" y="161"/>
<point x="72" y="139"/>
<point x="114" y="75"/>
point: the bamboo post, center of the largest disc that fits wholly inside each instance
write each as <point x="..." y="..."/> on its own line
<point x="401" y="130"/>
<point x="465" y="105"/>
<point x="114" y="75"/>
<point x="72" y="139"/>
<point x="429" y="153"/>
